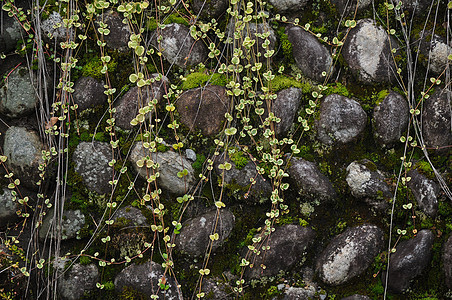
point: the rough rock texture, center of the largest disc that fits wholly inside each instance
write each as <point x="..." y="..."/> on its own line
<point x="23" y="149"/>
<point x="286" y="107"/>
<point x="91" y="163"/>
<point x="356" y="297"/>
<point x="447" y="262"/>
<point x="349" y="254"/>
<point x="347" y="8"/>
<point x="366" y="182"/>
<point x="435" y="51"/>
<point x="310" y="182"/>
<point x="8" y="208"/>
<point x="178" y="47"/>
<point x="301" y="293"/>
<point x="425" y="192"/>
<point x="216" y="289"/>
<point x="341" y="120"/>
<point x="53" y="27"/>
<point x="72" y="222"/>
<point x="437" y="118"/>
<point x="77" y="281"/>
<point x="194" y="236"/>
<point x="287" y="243"/>
<point x="210" y="9"/>
<point x="367" y="51"/>
<point x="170" y="163"/>
<point x="130" y="215"/>
<point x="128" y="106"/>
<point x="310" y="55"/>
<point x="119" y="35"/>
<point x="88" y="93"/>
<point x="390" y="119"/>
<point x="204" y="108"/>
<point x="409" y="260"/>
<point x="17" y="94"/>
<point x="11" y="32"/>
<point x="238" y="181"/>
<point x="283" y="6"/>
<point x="144" y="278"/>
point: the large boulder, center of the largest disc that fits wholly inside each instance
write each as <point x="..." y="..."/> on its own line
<point x="77" y="281"/>
<point x="91" y="163"/>
<point x="204" y="109"/>
<point x="18" y="95"/>
<point x="367" y="52"/>
<point x="120" y="32"/>
<point x="390" y="119"/>
<point x="410" y="259"/>
<point x="171" y="166"/>
<point x="437" y="118"/>
<point x="88" y="92"/>
<point x="425" y="192"/>
<point x="310" y="182"/>
<point x="285" y="107"/>
<point x="349" y="254"/>
<point x="146" y="279"/>
<point x="194" y="237"/>
<point x="178" y="46"/>
<point x="311" y="56"/>
<point x="287" y="243"/>
<point x="341" y="120"/>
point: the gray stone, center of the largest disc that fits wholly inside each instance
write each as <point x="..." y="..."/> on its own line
<point x="8" y="208"/>
<point x="178" y="46"/>
<point x="390" y="119"/>
<point x="146" y="278"/>
<point x="190" y="154"/>
<point x="309" y="292"/>
<point x="204" y="109"/>
<point x="447" y="262"/>
<point x="287" y="6"/>
<point x="341" y="121"/>
<point x="11" y="32"/>
<point x="367" y="52"/>
<point x="425" y="192"/>
<point x="208" y="9"/>
<point x="71" y="223"/>
<point x="367" y="183"/>
<point x="194" y="237"/>
<point x="287" y="243"/>
<point x="120" y="33"/>
<point x="348" y="8"/>
<point x="436" y="51"/>
<point x="311" y="56"/>
<point x="91" y="163"/>
<point x="24" y="151"/>
<point x="53" y="27"/>
<point x="437" y="118"/>
<point x="170" y="163"/>
<point x="410" y="259"/>
<point x="88" y="92"/>
<point x="17" y="95"/>
<point x="349" y="254"/>
<point x="217" y="289"/>
<point x="129" y="105"/>
<point x="356" y="297"/>
<point x="131" y="215"/>
<point x="286" y="107"/>
<point x="79" y="280"/>
<point x="310" y="182"/>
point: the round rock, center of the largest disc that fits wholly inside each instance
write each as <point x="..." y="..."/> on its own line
<point x="347" y="8"/>
<point x="170" y="164"/>
<point x="367" y="52"/>
<point x="447" y="262"/>
<point x="23" y="149"/>
<point x="310" y="55"/>
<point x="216" y="289"/>
<point x="71" y="223"/>
<point x="53" y="27"/>
<point x="287" y="243"/>
<point x="424" y="191"/>
<point x="204" y="109"/>
<point x="310" y="182"/>
<point x="409" y="260"/>
<point x="287" y="6"/>
<point x="79" y="280"/>
<point x="17" y="95"/>
<point x="349" y="254"/>
<point x="8" y="208"/>
<point x="11" y="33"/>
<point x="144" y="278"/>
<point x="390" y="119"/>
<point x="91" y="163"/>
<point x="178" y="47"/>
<point x="356" y="297"/>
<point x="286" y="107"/>
<point x="88" y="92"/>
<point x="366" y="182"/>
<point x="130" y="215"/>
<point x="120" y="33"/>
<point x="194" y="237"/>
<point x="436" y="51"/>
<point x="342" y="120"/>
<point x="210" y="9"/>
<point x="437" y="118"/>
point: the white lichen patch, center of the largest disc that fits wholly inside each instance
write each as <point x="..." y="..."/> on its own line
<point x="438" y="56"/>
<point x="336" y="269"/>
<point x="358" y="178"/>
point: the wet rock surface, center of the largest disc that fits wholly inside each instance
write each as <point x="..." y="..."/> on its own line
<point x="410" y="259"/>
<point x="77" y="281"/>
<point x="88" y="93"/>
<point x="425" y="192"/>
<point x="341" y="120"/>
<point x="91" y="163"/>
<point x="349" y="254"/>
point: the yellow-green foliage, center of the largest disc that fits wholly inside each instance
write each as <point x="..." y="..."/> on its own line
<point x="239" y="159"/>
<point x="198" y="79"/>
<point x="282" y="82"/>
<point x="151" y="23"/>
<point x="94" y="67"/>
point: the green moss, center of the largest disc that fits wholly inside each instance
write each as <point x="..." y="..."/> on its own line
<point x="282" y="82"/>
<point x="337" y="88"/>
<point x="425" y="168"/>
<point x="198" y="79"/>
<point x="239" y="159"/>
<point x="85" y="260"/>
<point x="93" y="67"/>
<point x="197" y="165"/>
<point x="151" y="23"/>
